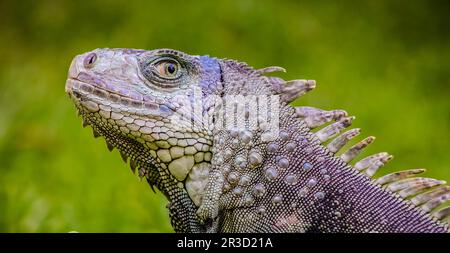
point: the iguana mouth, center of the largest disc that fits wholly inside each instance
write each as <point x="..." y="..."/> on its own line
<point x="93" y="98"/>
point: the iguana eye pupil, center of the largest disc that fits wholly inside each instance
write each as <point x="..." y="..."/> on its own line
<point x="171" y="68"/>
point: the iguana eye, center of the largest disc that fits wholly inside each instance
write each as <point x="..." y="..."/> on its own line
<point x="166" y="71"/>
<point x="167" y="68"/>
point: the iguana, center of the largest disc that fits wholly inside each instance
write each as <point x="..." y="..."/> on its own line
<point x="221" y="142"/>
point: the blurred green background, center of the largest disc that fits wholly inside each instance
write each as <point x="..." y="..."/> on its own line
<point x="387" y="62"/>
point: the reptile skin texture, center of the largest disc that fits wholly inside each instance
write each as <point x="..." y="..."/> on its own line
<point x="221" y="142"/>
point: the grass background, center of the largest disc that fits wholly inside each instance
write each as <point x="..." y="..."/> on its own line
<point x="387" y="62"/>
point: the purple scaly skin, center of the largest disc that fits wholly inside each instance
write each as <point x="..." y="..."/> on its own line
<point x="244" y="178"/>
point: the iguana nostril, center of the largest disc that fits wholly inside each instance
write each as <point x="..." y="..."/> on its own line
<point x="90" y="60"/>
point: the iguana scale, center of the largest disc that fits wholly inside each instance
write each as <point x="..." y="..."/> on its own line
<point x="221" y="142"/>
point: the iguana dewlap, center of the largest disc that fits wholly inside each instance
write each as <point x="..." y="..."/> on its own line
<point x="221" y="141"/>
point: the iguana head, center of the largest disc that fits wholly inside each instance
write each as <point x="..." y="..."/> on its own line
<point x="141" y="102"/>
